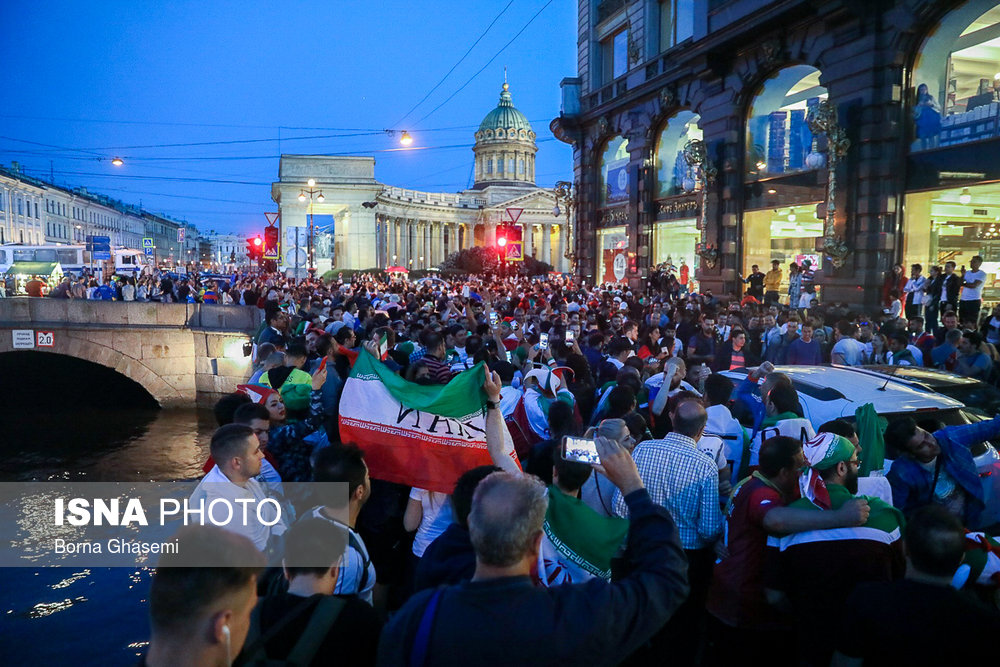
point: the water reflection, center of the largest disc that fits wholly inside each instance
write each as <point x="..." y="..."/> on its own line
<point x="54" y="616"/>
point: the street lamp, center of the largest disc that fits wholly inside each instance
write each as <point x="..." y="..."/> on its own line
<point x="117" y="161"/>
<point x="312" y="194"/>
<point x="566" y="196"/>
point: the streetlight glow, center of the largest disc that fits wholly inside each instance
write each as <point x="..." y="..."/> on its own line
<point x="311" y="182"/>
<point x="405" y="139"/>
<point x="320" y="198"/>
<point x="117" y="161"/>
<point x="302" y="196"/>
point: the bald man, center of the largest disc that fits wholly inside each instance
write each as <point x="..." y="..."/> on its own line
<point x="685" y="481"/>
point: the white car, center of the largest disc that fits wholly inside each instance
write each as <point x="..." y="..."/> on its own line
<point x="827" y="393"/>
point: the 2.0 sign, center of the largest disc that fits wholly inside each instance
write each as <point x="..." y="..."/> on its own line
<point x="45" y="338"/>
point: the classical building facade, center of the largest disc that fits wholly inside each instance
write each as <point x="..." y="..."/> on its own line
<point x="36" y="212"/>
<point x="726" y="133"/>
<point x="361" y="223"/>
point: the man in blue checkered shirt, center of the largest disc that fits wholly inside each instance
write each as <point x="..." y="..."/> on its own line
<point x="685" y="481"/>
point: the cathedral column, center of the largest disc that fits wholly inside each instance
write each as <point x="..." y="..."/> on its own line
<point x="491" y="234"/>
<point x="529" y="240"/>
<point x="547" y="244"/>
<point x="453" y="241"/>
<point x="470" y="235"/>
<point x="425" y="247"/>
<point x="408" y="229"/>
<point x="561" y="248"/>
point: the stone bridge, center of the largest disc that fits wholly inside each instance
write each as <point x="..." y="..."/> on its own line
<point x="182" y="354"/>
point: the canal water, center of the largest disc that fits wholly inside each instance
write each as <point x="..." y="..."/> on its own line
<point x="87" y="432"/>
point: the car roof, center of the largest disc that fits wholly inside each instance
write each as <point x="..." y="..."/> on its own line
<point x="830" y="383"/>
<point x="928" y="376"/>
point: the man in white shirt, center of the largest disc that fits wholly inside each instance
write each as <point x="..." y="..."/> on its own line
<point x="971" y="299"/>
<point x="346" y="464"/>
<point x="848" y="350"/>
<point x="915" y="288"/>
<point x="722" y="424"/>
<point x="238" y="455"/>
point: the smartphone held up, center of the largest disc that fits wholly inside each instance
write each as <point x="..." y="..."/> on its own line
<point x="580" y="450"/>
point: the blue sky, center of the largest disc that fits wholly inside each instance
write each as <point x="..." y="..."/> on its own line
<point x="91" y="80"/>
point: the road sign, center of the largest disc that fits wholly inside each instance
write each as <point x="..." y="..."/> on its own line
<point x="515" y="252"/>
<point x="180" y="235"/>
<point x="22" y="339"/>
<point x="147" y="242"/>
<point x="514" y="213"/>
<point x="45" y="338"/>
<point x="271" y="218"/>
<point x="99" y="247"/>
<point x="148" y="250"/>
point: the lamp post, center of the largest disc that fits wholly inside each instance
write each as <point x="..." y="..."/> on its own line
<point x="696" y="156"/>
<point x="312" y="194"/>
<point x="822" y="121"/>
<point x="567" y="197"/>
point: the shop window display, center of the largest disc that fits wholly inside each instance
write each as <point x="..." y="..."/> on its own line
<point x="786" y="234"/>
<point x="778" y="140"/>
<point x="673" y="175"/>
<point x="956" y="79"/>
<point x="614" y="172"/>
<point x="955" y="224"/>
<point x="674" y="250"/>
<point x="612" y="259"/>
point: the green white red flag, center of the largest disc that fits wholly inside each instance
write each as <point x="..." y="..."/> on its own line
<point x="420" y="435"/>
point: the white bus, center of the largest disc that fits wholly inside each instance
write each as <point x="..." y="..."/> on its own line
<point x="72" y="258"/>
<point x="129" y="262"/>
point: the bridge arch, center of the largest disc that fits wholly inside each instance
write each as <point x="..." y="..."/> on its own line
<point x="103" y="350"/>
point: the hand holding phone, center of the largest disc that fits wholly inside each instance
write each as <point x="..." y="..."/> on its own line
<point x="579" y="450"/>
<point x="543" y="342"/>
<point x="570" y="337"/>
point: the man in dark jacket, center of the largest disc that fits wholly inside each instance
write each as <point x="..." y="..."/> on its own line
<point x="500" y="618"/>
<point x="450" y="558"/>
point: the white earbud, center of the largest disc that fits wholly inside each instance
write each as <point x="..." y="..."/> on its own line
<point x="229" y="650"/>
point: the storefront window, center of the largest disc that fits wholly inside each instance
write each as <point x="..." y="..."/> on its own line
<point x="614" y="172"/>
<point x="957" y="79"/>
<point x="673" y="176"/>
<point x="674" y="245"/>
<point x="955" y="225"/>
<point x="778" y="139"/>
<point x="786" y="234"/>
<point x="612" y="259"/>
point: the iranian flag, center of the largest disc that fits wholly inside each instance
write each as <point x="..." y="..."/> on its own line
<point x="420" y="435"/>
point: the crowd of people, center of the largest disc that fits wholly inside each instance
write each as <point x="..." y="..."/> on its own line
<point x="719" y="525"/>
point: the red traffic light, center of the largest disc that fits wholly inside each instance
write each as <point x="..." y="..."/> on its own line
<point x="257" y="242"/>
<point x="502" y="241"/>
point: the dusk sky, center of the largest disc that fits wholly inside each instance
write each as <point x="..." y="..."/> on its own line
<point x="87" y="81"/>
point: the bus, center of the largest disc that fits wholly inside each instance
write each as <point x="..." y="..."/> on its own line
<point x="72" y="258"/>
<point x="129" y="262"/>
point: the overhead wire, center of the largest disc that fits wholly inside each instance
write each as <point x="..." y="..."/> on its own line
<point x="488" y="62"/>
<point x="459" y="62"/>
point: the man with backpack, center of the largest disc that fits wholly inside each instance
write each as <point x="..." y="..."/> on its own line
<point x="309" y="624"/>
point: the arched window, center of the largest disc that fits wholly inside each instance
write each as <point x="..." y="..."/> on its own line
<point x="614" y="171"/>
<point x="673" y="176"/>
<point x="956" y="79"/>
<point x="778" y="139"/>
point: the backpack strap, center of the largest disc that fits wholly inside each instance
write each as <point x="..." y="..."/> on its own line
<point x="323" y="617"/>
<point x="422" y="640"/>
<point x="255" y="643"/>
<point x="366" y="562"/>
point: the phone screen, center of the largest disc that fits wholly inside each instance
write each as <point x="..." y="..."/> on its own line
<point x="465" y="291"/>
<point x="581" y="450"/>
<point x="493" y="318"/>
<point x="570" y="336"/>
<point x="513" y="325"/>
<point x="543" y="342"/>
<point x="508" y="356"/>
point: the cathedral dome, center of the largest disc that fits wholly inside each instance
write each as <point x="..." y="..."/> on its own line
<point x="505" y="116"/>
<point x="505" y="146"/>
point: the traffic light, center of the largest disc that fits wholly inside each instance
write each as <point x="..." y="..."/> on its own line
<point x="270" y="248"/>
<point x="255" y="248"/>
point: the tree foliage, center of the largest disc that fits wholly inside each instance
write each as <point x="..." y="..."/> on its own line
<point x="480" y="260"/>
